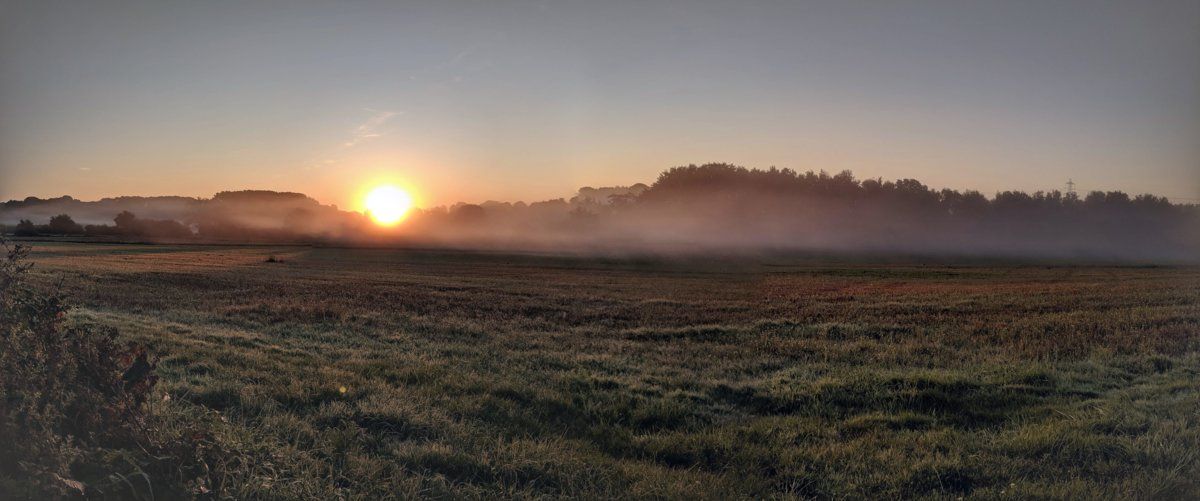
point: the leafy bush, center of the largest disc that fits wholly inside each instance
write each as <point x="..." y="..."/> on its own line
<point x="69" y="395"/>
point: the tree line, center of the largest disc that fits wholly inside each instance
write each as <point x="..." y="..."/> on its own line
<point x="725" y="206"/>
<point x="125" y="224"/>
<point x="705" y="206"/>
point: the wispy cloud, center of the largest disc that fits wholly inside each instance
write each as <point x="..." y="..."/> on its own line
<point x="456" y="69"/>
<point x="369" y="129"/>
<point x="458" y="58"/>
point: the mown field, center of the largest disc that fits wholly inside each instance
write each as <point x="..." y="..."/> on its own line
<point x="341" y="373"/>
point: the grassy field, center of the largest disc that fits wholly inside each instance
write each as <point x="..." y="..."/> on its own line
<point x="385" y="373"/>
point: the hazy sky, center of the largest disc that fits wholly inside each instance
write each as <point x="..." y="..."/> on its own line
<point x="530" y="100"/>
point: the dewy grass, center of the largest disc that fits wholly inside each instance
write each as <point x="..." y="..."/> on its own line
<point x="394" y="374"/>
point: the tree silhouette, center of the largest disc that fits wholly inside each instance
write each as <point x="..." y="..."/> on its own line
<point x="126" y="222"/>
<point x="62" y="224"/>
<point x="469" y="213"/>
<point x="25" y="228"/>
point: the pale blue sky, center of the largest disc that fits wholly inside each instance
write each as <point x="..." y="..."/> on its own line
<point x="530" y="100"/>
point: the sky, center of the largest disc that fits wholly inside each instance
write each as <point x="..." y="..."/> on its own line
<point x="513" y="100"/>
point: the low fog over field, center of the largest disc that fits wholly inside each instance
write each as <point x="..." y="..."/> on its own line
<point x="693" y="209"/>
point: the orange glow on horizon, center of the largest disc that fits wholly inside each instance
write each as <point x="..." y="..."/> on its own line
<point x="387" y="204"/>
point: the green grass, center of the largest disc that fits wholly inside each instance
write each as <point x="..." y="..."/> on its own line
<point x="483" y="375"/>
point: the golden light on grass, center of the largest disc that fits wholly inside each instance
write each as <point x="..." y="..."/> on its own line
<point x="387" y="204"/>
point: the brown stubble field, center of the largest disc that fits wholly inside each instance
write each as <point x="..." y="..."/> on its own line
<point x="483" y="374"/>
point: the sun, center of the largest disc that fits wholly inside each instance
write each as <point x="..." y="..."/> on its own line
<point x="387" y="204"/>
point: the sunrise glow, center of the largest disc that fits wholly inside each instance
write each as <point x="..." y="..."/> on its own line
<point x="387" y="205"/>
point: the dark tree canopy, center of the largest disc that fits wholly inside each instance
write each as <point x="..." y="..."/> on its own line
<point x="63" y="224"/>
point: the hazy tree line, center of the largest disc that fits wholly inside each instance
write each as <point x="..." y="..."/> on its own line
<point x="735" y="188"/>
<point x="693" y="208"/>
<point x="727" y="207"/>
<point x="125" y="224"/>
<point x="241" y="216"/>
